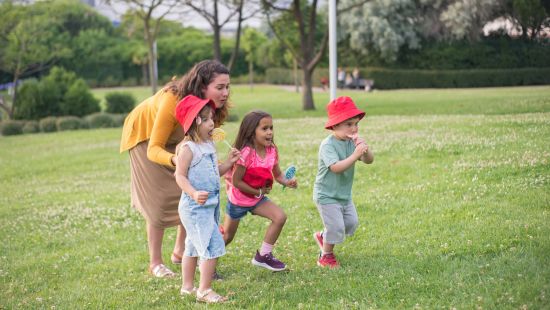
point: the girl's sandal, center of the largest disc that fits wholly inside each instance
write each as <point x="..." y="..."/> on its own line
<point x="185" y="292"/>
<point x="176" y="259"/>
<point x="210" y="297"/>
<point x="161" y="271"/>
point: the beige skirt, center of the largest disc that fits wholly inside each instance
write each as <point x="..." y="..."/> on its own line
<point x="155" y="193"/>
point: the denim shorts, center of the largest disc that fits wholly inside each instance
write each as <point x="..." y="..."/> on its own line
<point x="236" y="212"/>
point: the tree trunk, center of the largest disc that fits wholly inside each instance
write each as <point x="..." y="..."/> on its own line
<point x="235" y="52"/>
<point x="145" y="74"/>
<point x="152" y="61"/>
<point x="307" y="93"/>
<point x="4" y="106"/>
<point x="11" y="113"/>
<point x="295" y="71"/>
<point x="217" y="47"/>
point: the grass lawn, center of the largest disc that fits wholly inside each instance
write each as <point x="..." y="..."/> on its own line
<point x="454" y="212"/>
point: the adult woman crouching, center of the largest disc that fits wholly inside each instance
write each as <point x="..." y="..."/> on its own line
<point x="151" y="133"/>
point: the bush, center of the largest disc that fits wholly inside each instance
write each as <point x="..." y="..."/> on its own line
<point x="119" y="119"/>
<point x="78" y="100"/>
<point x="59" y="93"/>
<point x="31" y="127"/>
<point x="118" y="102"/>
<point x="232" y="118"/>
<point x="393" y="78"/>
<point x="84" y="124"/>
<point x="36" y="100"/>
<point x="11" y="128"/>
<point x="100" y="120"/>
<point x="48" y="124"/>
<point x="68" y="123"/>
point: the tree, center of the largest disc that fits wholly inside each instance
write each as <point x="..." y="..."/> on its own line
<point x="309" y="48"/>
<point x="151" y="13"/>
<point x="386" y="27"/>
<point x="253" y="40"/>
<point x="529" y="16"/>
<point x="31" y="43"/>
<point x="212" y="15"/>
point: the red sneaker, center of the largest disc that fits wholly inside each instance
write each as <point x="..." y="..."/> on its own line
<point x="318" y="236"/>
<point x="328" y="260"/>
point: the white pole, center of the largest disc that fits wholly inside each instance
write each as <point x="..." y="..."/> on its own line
<point x="332" y="48"/>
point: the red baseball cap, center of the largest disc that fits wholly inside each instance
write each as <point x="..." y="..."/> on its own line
<point x="188" y="109"/>
<point x="341" y="109"/>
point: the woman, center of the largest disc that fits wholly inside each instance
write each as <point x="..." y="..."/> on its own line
<point x="151" y="133"/>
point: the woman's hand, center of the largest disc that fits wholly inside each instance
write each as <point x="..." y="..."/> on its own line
<point x="200" y="197"/>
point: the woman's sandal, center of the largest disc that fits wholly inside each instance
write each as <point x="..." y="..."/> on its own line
<point x="210" y="297"/>
<point x="185" y="292"/>
<point x="161" y="271"/>
<point x="176" y="259"/>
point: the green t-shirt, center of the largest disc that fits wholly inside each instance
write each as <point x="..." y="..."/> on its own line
<point x="330" y="187"/>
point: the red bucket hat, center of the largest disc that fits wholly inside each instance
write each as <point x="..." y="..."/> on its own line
<point x="341" y="109"/>
<point x="188" y="109"/>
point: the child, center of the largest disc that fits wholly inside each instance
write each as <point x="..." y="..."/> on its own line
<point x="332" y="189"/>
<point x="249" y="183"/>
<point x="198" y="175"/>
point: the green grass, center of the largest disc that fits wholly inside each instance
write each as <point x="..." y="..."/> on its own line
<point x="284" y="103"/>
<point x="454" y="212"/>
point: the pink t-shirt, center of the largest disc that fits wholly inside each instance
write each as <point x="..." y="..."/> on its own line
<point x="250" y="159"/>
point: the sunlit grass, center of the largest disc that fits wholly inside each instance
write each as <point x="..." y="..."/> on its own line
<point x="454" y="213"/>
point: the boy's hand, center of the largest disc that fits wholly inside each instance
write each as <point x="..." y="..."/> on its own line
<point x="292" y="183"/>
<point x="360" y="149"/>
<point x="200" y="197"/>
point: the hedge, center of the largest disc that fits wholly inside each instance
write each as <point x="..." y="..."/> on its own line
<point x="393" y="79"/>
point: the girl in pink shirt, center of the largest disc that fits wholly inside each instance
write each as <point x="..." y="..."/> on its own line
<point x="250" y="181"/>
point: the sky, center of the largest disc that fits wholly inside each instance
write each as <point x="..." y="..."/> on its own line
<point x="193" y="19"/>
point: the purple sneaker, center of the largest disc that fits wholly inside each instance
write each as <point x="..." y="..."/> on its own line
<point x="268" y="261"/>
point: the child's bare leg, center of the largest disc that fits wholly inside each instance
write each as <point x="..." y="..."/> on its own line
<point x="179" y="245"/>
<point x="207" y="268"/>
<point x="230" y="229"/>
<point x="277" y="216"/>
<point x="188" y="266"/>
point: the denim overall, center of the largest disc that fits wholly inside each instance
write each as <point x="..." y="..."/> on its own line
<point x="203" y="239"/>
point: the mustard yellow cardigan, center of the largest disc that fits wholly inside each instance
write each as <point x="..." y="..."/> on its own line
<point x="154" y="120"/>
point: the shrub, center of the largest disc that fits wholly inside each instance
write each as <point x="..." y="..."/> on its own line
<point x="78" y="100"/>
<point x="31" y="127"/>
<point x="118" y="102"/>
<point x="100" y="120"/>
<point x="119" y="119"/>
<point x="232" y="118"/>
<point x="11" y="128"/>
<point x="68" y="123"/>
<point x="84" y="124"/>
<point x="48" y="124"/>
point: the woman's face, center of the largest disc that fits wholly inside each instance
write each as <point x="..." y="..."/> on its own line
<point x="218" y="90"/>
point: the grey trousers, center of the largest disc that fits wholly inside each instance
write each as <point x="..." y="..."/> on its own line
<point x="339" y="221"/>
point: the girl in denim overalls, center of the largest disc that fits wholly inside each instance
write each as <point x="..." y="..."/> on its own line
<point x="198" y="175"/>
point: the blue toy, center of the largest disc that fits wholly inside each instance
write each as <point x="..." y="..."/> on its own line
<point x="290" y="172"/>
